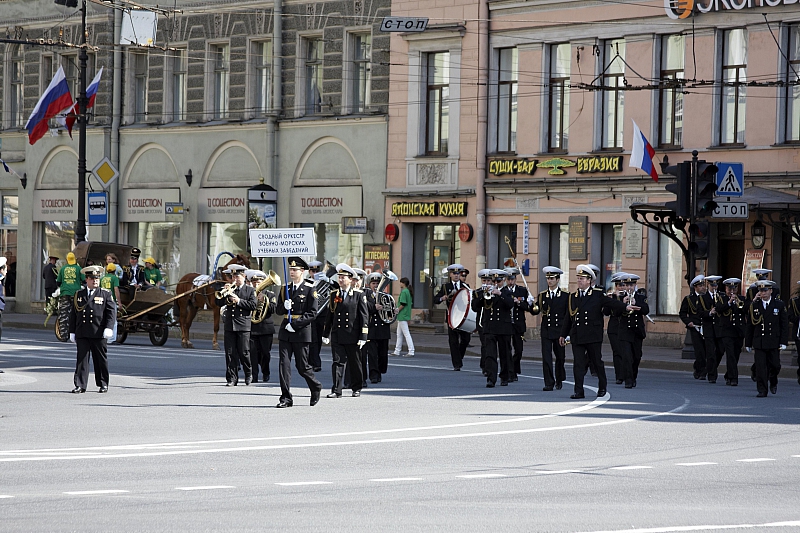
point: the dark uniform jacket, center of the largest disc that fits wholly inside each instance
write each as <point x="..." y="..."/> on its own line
<point x="690" y="310"/>
<point x="767" y="328"/>
<point x="304" y="310"/>
<point x="129" y="277"/>
<point x="584" y="321"/>
<point x="631" y="323"/>
<point x="613" y="321"/>
<point x="347" y="323"/>
<point x="266" y="326"/>
<point x="732" y="318"/>
<point x="50" y="274"/>
<point x="477" y="294"/>
<point x="378" y="329"/>
<point x="496" y="312"/>
<point x="711" y="323"/>
<point x="92" y="315"/>
<point x="237" y="316"/>
<point x="793" y="310"/>
<point x="518" y="311"/>
<point x="554" y="312"/>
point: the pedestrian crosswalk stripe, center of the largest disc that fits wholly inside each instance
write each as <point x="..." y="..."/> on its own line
<point x="754" y="460"/>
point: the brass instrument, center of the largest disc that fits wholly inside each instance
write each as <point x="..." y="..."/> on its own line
<point x="262" y="306"/>
<point x="389" y="312"/>
<point x="322" y="291"/>
<point x="226" y="292"/>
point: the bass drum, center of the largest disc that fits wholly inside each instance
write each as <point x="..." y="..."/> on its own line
<point x="460" y="315"/>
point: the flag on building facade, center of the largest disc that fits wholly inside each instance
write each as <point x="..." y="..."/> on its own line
<point x="91" y="95"/>
<point x="642" y="153"/>
<point x="55" y="99"/>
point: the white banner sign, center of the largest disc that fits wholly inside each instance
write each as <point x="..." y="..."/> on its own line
<point x="55" y="205"/>
<point x="324" y="204"/>
<point x="282" y="242"/>
<point x="146" y="205"/>
<point x="222" y="205"/>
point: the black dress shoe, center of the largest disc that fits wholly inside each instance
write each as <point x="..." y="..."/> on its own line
<point x="284" y="403"/>
<point x="594" y="374"/>
<point x="629" y="385"/>
<point x="317" y="369"/>
<point x="248" y="381"/>
<point x="373" y="381"/>
<point x="774" y="389"/>
<point x="78" y="390"/>
<point x="229" y="384"/>
<point x="486" y="375"/>
<point x="601" y="393"/>
<point x="255" y="380"/>
<point x="727" y="382"/>
<point x="761" y="395"/>
<point x="363" y="384"/>
<point x="504" y="383"/>
<point x="547" y="389"/>
<point x="634" y="383"/>
<point x="734" y="383"/>
<point x="356" y="393"/>
<point x="619" y="382"/>
<point x="714" y="380"/>
<point x="103" y="389"/>
<point x="515" y="378"/>
<point x="558" y="385"/>
<point x="333" y="395"/>
<point x="696" y="374"/>
<point x="489" y="385"/>
<point x="702" y="377"/>
<point x="315" y="398"/>
<point x="456" y="368"/>
<point x="577" y="397"/>
<point x="265" y="379"/>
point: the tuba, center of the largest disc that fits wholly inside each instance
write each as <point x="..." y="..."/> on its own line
<point x="262" y="306"/>
<point x="322" y="290"/>
<point x="389" y="312"/>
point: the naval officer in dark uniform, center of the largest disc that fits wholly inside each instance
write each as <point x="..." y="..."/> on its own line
<point x="316" y="275"/>
<point x="711" y="326"/>
<point x="767" y="334"/>
<point x="752" y="292"/>
<point x="239" y="306"/>
<point x="733" y="328"/>
<point x="262" y="329"/>
<point x="552" y="304"/>
<point x="458" y="340"/>
<point x="298" y="302"/>
<point x="485" y="275"/>
<point x="689" y="314"/>
<point x="612" y="328"/>
<point x="379" y="331"/>
<point x="631" y="330"/>
<point x="347" y="327"/>
<point x="91" y="324"/>
<point x="793" y="310"/>
<point x="520" y="295"/>
<point x="497" y="303"/>
<point x="584" y="328"/>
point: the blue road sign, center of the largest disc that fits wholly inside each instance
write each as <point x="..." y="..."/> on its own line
<point x="97" y="202"/>
<point x="730" y="179"/>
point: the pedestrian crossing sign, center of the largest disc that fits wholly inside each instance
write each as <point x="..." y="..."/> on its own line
<point x="730" y="179"/>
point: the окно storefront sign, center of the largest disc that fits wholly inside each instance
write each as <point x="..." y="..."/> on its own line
<point x="429" y="209"/>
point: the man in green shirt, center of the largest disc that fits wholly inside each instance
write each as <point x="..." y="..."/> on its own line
<point x="69" y="277"/>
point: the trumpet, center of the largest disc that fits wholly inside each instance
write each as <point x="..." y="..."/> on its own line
<point x="226" y="291"/>
<point x="735" y="300"/>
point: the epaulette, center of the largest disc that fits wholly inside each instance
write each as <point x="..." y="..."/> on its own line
<point x="357" y="290"/>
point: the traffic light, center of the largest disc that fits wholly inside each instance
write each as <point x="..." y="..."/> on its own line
<point x="706" y="186"/>
<point x="698" y="239"/>
<point x="681" y="188"/>
<point x="68" y="3"/>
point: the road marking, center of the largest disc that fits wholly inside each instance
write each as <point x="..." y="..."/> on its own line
<point x="754" y="460"/>
<point x="301" y="483"/>
<point x="796" y="456"/>
<point x="4" y="496"/>
<point x="695" y="464"/>
<point x="708" y="527"/>
<point x="480" y="476"/>
<point x="390" y="479"/>
<point x="632" y="467"/>
<point x="206" y="487"/>
<point x="93" y="492"/>
<point x="547" y="472"/>
<point x="151" y="450"/>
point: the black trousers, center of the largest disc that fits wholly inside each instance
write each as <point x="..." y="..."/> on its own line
<point x="616" y="356"/>
<point x="482" y="337"/>
<point x="97" y="348"/>
<point x="732" y="347"/>
<point x="699" y="345"/>
<point x="346" y="355"/>
<point x="260" y="347"/>
<point x="553" y="374"/>
<point x="797" y="350"/>
<point x="378" y="353"/>
<point x="237" y="352"/>
<point x="458" y="346"/>
<point x="768" y="365"/>
<point x="316" y="345"/>
<point x="300" y="351"/>
<point x="516" y="344"/>
<point x="714" y="353"/>
<point x="583" y="355"/>
<point x="498" y="346"/>
<point x="631" y="355"/>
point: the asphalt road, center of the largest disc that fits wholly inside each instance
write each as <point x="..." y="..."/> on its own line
<point x="170" y="448"/>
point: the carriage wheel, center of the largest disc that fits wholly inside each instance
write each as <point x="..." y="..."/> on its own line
<point x="160" y="333"/>
<point x="121" y="336"/>
<point x="62" y="334"/>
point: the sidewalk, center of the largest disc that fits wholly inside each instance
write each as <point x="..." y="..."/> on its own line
<point x="437" y="343"/>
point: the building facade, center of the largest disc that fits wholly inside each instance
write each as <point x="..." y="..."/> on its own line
<point x="200" y="118"/>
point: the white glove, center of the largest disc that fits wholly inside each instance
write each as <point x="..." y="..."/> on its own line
<point x="361" y="344"/>
<point x="289" y="328"/>
<point x="72" y="338"/>
<point x="748" y="348"/>
<point x="108" y="333"/>
<point x="783" y="346"/>
<point x="531" y="299"/>
<point x="326" y="340"/>
<point x="287" y="304"/>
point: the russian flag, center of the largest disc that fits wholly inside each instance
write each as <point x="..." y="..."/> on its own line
<point x="91" y="94"/>
<point x="56" y="98"/>
<point x="642" y="153"/>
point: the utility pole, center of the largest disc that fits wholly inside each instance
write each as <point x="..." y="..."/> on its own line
<point x="691" y="266"/>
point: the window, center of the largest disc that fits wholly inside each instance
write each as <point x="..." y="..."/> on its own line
<point x="58" y="238"/>
<point x="669" y="276"/>
<point x="793" y="86"/>
<point x="260" y="71"/>
<point x="313" y="76"/>
<point x="69" y="63"/>
<point x="610" y="253"/>
<point x="221" y="60"/>
<point x="734" y="76"/>
<point x="437" y="119"/>
<point x="160" y="240"/>
<point x="17" y="89"/>
<point x="506" y="231"/>
<point x="361" y="74"/>
<point x="559" y="97"/>
<point x="337" y="247"/>
<point x="507" y="79"/>
<point x="559" y="252"/>
<point x="46" y="73"/>
<point x="140" y="72"/>
<point x="225" y="236"/>
<point x="179" y="67"/>
<point x="670" y="130"/>
<point x="613" y="97"/>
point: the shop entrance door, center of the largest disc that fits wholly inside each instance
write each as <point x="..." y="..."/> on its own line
<point x="442" y="253"/>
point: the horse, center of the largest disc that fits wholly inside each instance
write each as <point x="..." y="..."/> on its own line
<point x="189" y="305"/>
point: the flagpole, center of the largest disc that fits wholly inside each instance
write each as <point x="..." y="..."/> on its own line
<point x="80" y="227"/>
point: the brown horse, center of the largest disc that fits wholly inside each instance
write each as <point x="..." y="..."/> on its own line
<point x="191" y="303"/>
